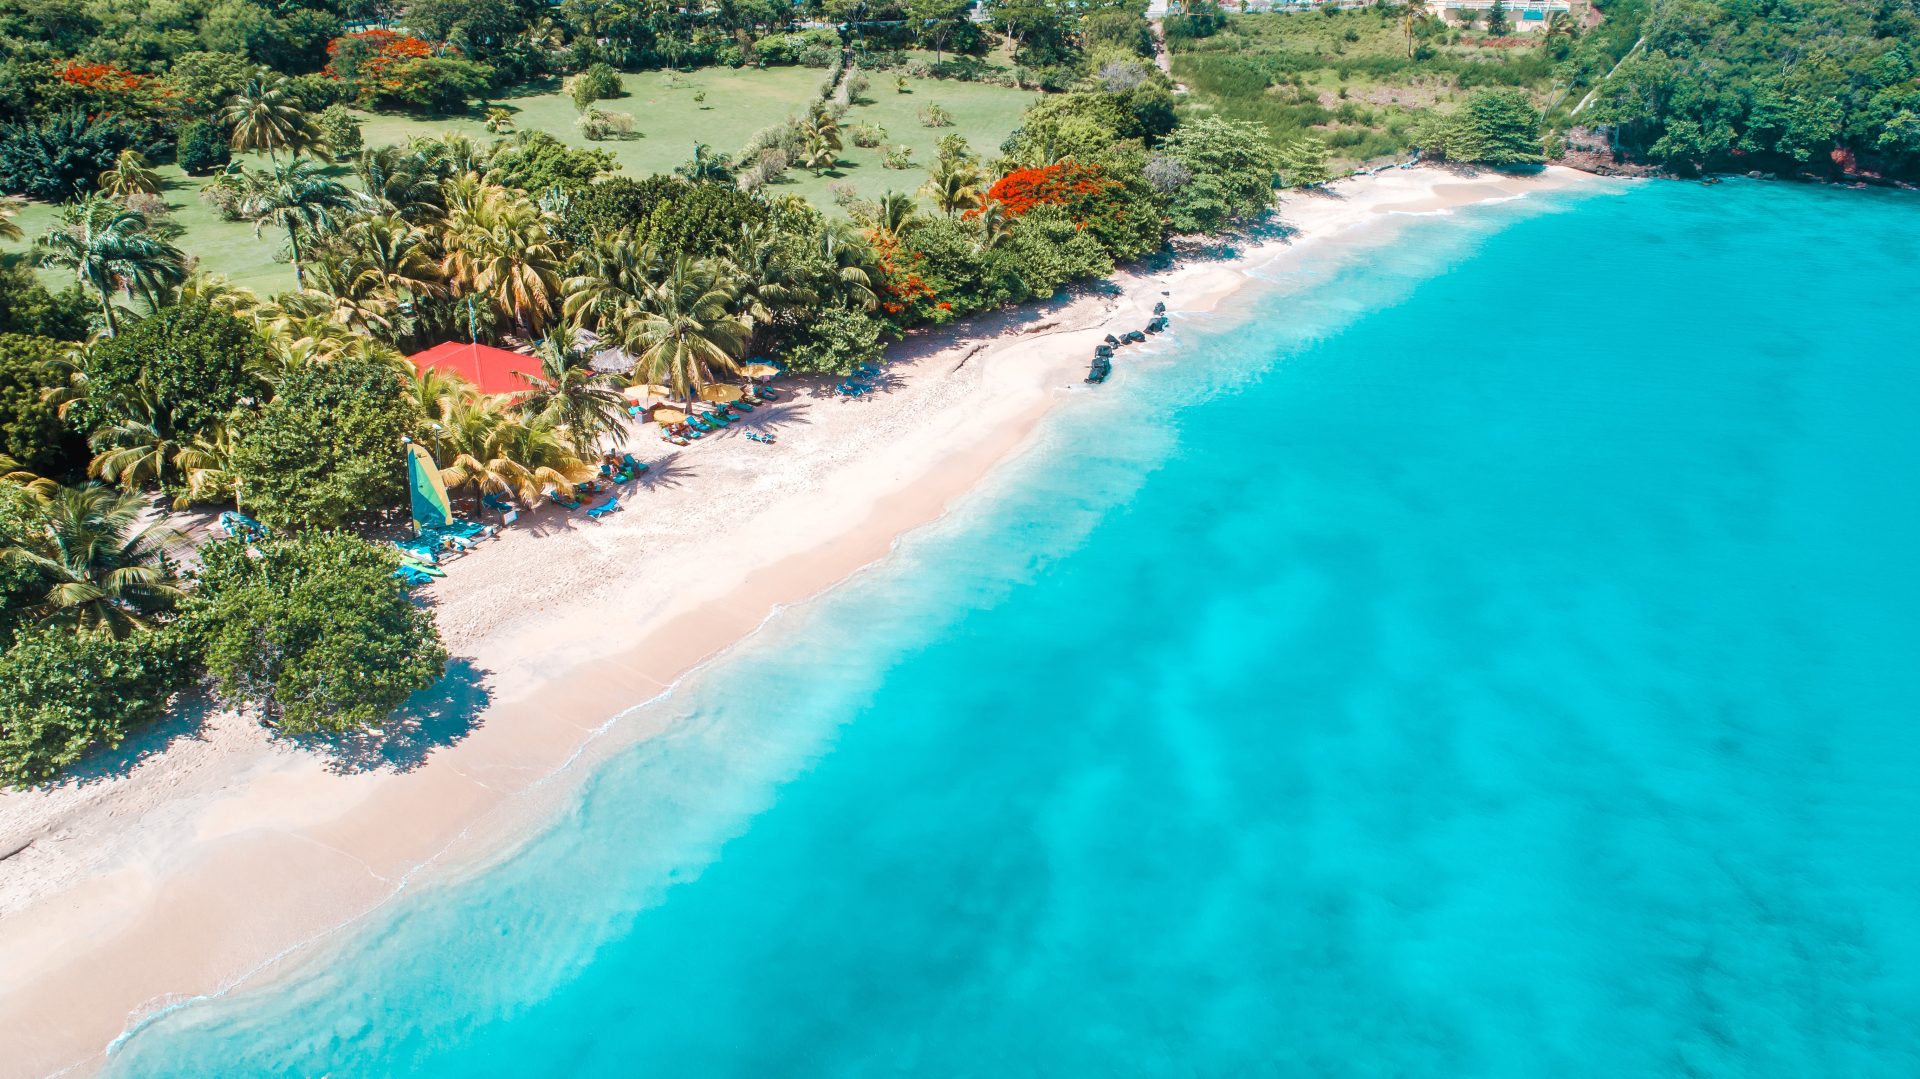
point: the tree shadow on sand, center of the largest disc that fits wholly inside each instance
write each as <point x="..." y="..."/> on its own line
<point x="184" y="721"/>
<point x="441" y="715"/>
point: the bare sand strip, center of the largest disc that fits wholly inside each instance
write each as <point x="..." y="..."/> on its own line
<point x="217" y="856"/>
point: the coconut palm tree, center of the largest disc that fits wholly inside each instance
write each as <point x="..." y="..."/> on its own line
<point x="110" y="247"/>
<point x="500" y="248"/>
<point x="994" y="223"/>
<point x="682" y="328"/>
<point x="295" y="195"/>
<point x="1411" y="17"/>
<point x="954" y="185"/>
<point x="568" y="395"/>
<point x="770" y="285"/>
<point x="893" y="216"/>
<point x="129" y="176"/>
<point x="390" y="256"/>
<point x="820" y="133"/>
<point x="264" y="115"/>
<point x="842" y="247"/>
<point x="402" y="180"/>
<point x="10" y="207"/>
<point x="487" y="446"/>
<point x="608" y="273"/>
<point x="104" y="567"/>
<point x="136" y="449"/>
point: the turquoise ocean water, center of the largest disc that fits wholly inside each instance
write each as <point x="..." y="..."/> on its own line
<point x="1490" y="651"/>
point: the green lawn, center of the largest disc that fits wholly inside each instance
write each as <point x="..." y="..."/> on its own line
<point x="668" y="122"/>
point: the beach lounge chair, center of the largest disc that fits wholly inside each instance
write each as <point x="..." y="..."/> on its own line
<point x="611" y="505"/>
<point x="633" y="466"/>
<point x="758" y="437"/>
<point x="465" y="529"/>
<point x="240" y="526"/>
<point x="497" y="501"/>
<point x="563" y="501"/>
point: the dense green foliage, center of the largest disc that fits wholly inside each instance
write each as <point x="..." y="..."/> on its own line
<point x="1493" y="127"/>
<point x="31" y="431"/>
<point x="1820" y="83"/>
<point x="184" y="367"/>
<point x="1232" y="171"/>
<point x="65" y="694"/>
<point x="311" y="630"/>
<point x="61" y="156"/>
<point x="328" y="447"/>
<point x="27" y="307"/>
<point x="202" y="148"/>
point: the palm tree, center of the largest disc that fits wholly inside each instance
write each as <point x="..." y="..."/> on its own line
<point x="265" y="115"/>
<point x="995" y="225"/>
<point x="573" y="398"/>
<point x="609" y="272"/>
<point x="770" y="284"/>
<point x="499" y="121"/>
<point x="954" y="185"/>
<point x="104" y="568"/>
<point x="1411" y="16"/>
<point x="10" y="207"/>
<point x="821" y="133"/>
<point x="680" y="329"/>
<point x="136" y="449"/>
<point x="893" y="217"/>
<point x="842" y="247"/>
<point x="295" y="195"/>
<point x="390" y="256"/>
<point x="110" y="247"/>
<point x="129" y="176"/>
<point x="500" y="247"/>
<point x="489" y="447"/>
<point x="403" y="181"/>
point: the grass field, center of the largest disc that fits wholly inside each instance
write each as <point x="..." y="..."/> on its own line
<point x="668" y="122"/>
<point x="1346" y="76"/>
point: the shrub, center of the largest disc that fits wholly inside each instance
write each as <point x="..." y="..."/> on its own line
<point x="61" y="158"/>
<point x="327" y="448"/>
<point x="773" y="162"/>
<point x="26" y="307"/>
<point x="225" y="198"/>
<point x="935" y="116"/>
<point x="899" y="157"/>
<point x="202" y="147"/>
<point x="312" y="631"/>
<point x="599" y="82"/>
<point x="836" y="342"/>
<point x="598" y="125"/>
<point x="340" y="130"/>
<point x="65" y="693"/>
<point x="867" y="136"/>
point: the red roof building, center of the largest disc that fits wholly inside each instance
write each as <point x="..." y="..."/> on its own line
<point x="492" y="370"/>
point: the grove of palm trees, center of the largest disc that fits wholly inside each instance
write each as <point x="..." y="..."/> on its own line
<point x="144" y="384"/>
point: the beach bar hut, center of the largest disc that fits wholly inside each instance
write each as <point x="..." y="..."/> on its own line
<point x="491" y="370"/>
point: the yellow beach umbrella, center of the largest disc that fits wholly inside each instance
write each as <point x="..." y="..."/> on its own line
<point x="759" y="370"/>
<point x="665" y="416"/>
<point x="719" y="393"/>
<point x="645" y="389"/>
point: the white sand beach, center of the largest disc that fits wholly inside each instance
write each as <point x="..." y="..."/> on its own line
<point x="215" y="857"/>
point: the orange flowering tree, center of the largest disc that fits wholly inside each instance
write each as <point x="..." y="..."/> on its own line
<point x="1115" y="205"/>
<point x="386" y="66"/>
<point x="904" y="294"/>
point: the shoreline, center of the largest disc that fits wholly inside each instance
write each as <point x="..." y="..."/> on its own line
<point x="222" y="858"/>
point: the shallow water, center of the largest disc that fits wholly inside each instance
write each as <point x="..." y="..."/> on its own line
<point x="1486" y="652"/>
